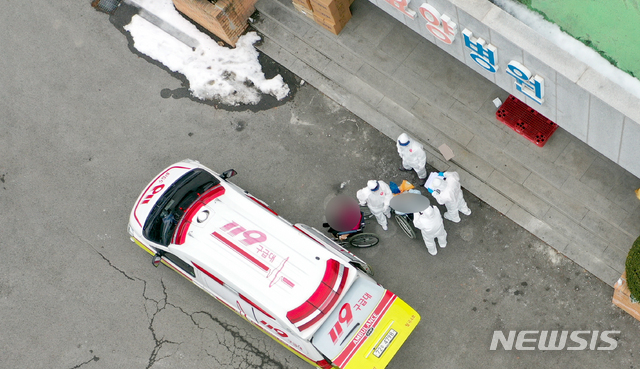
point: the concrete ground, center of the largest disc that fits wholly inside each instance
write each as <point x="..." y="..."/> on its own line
<point x="566" y="193"/>
<point x="87" y="123"/>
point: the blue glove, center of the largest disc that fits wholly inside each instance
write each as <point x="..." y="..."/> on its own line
<point x="394" y="187"/>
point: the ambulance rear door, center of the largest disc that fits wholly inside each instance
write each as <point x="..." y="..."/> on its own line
<point x="367" y="328"/>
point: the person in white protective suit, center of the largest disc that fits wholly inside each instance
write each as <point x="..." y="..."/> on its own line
<point x="430" y="223"/>
<point x="377" y="196"/>
<point x="413" y="156"/>
<point x="447" y="191"/>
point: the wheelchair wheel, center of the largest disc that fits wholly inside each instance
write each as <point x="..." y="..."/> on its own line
<point x="405" y="224"/>
<point x="364" y="240"/>
<point x="366" y="213"/>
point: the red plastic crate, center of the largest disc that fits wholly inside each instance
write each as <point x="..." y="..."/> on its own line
<point x="529" y="123"/>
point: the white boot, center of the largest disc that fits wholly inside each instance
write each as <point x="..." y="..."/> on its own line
<point x="450" y="217"/>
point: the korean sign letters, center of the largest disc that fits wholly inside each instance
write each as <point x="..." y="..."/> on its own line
<point x="480" y="51"/>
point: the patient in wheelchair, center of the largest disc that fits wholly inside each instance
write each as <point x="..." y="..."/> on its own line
<point x="344" y="217"/>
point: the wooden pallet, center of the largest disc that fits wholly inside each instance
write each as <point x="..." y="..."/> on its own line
<point x="622" y="298"/>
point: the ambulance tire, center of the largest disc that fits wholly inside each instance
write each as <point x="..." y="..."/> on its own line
<point x="364" y="240"/>
<point x="364" y="267"/>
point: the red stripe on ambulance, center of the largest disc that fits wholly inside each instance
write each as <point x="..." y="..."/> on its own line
<point x="209" y="274"/>
<point x="323" y="299"/>
<point x="240" y="251"/>
<point x="183" y="228"/>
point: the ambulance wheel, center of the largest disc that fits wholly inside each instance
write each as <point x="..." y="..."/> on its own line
<point x="406" y="226"/>
<point x="364" y="267"/>
<point x="364" y="240"/>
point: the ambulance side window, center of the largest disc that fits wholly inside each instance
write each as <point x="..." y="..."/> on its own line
<point x="180" y="263"/>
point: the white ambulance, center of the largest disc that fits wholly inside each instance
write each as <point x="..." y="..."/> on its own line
<point x="290" y="281"/>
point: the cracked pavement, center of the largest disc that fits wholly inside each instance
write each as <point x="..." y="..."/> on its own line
<point x="84" y="127"/>
<point x="225" y="344"/>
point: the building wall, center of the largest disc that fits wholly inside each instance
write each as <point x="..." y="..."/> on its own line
<point x="574" y="95"/>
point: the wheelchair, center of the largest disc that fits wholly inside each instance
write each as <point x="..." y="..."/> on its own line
<point x="355" y="237"/>
<point x="405" y="222"/>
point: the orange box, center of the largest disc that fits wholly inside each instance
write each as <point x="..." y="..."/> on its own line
<point x="303" y="10"/>
<point x="226" y="19"/>
<point x="622" y="297"/>
<point x="333" y="12"/>
<point x="333" y="28"/>
<point x="330" y="6"/>
<point x="320" y="17"/>
<point x="332" y="25"/>
<point x="303" y="3"/>
<point x="328" y="3"/>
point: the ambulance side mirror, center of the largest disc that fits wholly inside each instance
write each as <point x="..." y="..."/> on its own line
<point x="228" y="174"/>
<point x="157" y="259"/>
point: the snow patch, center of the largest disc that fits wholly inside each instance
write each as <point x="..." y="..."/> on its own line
<point x="232" y="76"/>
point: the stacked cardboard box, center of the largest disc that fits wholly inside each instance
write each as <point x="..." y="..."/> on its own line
<point x="332" y="15"/>
<point x="226" y="19"/>
<point x="304" y="7"/>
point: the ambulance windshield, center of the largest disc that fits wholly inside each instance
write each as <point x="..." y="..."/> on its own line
<point x="170" y="207"/>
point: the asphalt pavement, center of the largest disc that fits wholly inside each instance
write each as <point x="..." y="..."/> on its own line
<point x="85" y="125"/>
<point x="565" y="193"/>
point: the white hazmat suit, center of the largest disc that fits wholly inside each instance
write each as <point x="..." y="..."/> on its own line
<point x="448" y="192"/>
<point x="412" y="154"/>
<point x="377" y="196"/>
<point x="429" y="222"/>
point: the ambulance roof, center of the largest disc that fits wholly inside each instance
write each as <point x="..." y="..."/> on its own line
<point x="267" y="260"/>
